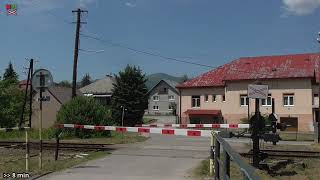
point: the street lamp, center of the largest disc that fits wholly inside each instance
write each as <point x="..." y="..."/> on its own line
<point x="123" y="109"/>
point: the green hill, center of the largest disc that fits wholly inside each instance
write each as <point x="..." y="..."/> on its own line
<point x="153" y="79"/>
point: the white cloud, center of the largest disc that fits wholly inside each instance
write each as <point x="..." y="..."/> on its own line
<point x="129" y="4"/>
<point x="301" y="7"/>
<point x="37" y="5"/>
<point x="85" y="3"/>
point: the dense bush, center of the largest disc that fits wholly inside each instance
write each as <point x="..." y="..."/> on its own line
<point x="11" y="99"/>
<point x="84" y="110"/>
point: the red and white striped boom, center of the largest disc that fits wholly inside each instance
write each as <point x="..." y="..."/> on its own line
<point x="153" y="130"/>
<point x="214" y="126"/>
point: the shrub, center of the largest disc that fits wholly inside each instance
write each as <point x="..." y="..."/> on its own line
<point x="84" y="110"/>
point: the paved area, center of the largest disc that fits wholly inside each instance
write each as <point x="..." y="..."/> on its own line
<point x="161" y="157"/>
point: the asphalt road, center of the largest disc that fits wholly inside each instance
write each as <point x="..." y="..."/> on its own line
<point x="160" y="157"/>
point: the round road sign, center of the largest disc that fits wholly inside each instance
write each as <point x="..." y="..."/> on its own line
<point x="41" y="78"/>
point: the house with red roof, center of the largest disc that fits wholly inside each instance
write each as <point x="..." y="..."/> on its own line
<point x="221" y="94"/>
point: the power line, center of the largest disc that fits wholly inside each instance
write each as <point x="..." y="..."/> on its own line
<point x="152" y="53"/>
<point x="168" y="58"/>
<point x="36" y="2"/>
<point x="145" y="52"/>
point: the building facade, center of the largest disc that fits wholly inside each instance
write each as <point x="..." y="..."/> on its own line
<point x="292" y="81"/>
<point x="100" y="90"/>
<point x="163" y="99"/>
<point x="56" y="97"/>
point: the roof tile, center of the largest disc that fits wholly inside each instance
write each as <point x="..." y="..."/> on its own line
<point x="263" y="67"/>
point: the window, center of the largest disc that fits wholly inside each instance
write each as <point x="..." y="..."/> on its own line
<point x="288" y="99"/>
<point x="171" y="107"/>
<point x="244" y="100"/>
<point x="195" y="101"/>
<point x="223" y="98"/>
<point x="214" y="98"/>
<point x="155" y="107"/>
<point x="267" y="102"/>
<point x="165" y="90"/>
<point x="315" y="99"/>
<point x="155" y="98"/>
<point x="206" y="98"/>
<point x="171" y="97"/>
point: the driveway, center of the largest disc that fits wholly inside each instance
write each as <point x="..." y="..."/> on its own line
<point x="160" y="157"/>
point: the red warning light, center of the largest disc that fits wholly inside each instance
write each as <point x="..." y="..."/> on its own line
<point x="8" y="6"/>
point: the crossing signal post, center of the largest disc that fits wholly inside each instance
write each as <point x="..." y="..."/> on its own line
<point x="41" y="79"/>
<point x="257" y="91"/>
<point x="255" y="135"/>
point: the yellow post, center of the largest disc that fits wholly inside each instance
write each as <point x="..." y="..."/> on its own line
<point x="40" y="138"/>
<point x="27" y="151"/>
<point x="212" y="153"/>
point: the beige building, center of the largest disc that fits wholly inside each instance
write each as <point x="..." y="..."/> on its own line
<point x="222" y="93"/>
<point x="58" y="96"/>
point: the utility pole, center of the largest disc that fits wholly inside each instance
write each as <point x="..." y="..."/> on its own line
<point x="30" y="93"/>
<point x="30" y="71"/>
<point x="317" y="120"/>
<point x="76" y="50"/>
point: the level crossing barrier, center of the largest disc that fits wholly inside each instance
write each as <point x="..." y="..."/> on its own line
<point x="214" y="126"/>
<point x="152" y="130"/>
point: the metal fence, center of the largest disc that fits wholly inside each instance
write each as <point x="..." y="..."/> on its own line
<point x="224" y="164"/>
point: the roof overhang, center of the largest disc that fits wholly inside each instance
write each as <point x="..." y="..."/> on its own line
<point x="203" y="112"/>
<point x="192" y="87"/>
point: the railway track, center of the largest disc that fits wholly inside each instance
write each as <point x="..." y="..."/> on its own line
<point x="51" y="145"/>
<point x="286" y="153"/>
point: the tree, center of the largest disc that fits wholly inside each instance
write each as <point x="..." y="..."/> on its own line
<point x="83" y="110"/>
<point x="184" y="78"/>
<point x="86" y="80"/>
<point x="10" y="74"/>
<point x="130" y="92"/>
<point x="11" y="98"/>
<point x="64" y="83"/>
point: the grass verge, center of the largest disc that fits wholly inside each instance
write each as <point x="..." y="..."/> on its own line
<point x="48" y="135"/>
<point x="278" y="169"/>
<point x="147" y="120"/>
<point x="10" y="164"/>
<point x="296" y="136"/>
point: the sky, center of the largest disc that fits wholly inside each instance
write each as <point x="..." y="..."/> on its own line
<point x="208" y="32"/>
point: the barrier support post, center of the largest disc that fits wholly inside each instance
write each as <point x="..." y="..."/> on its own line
<point x="57" y="148"/>
<point x="213" y="134"/>
<point x="27" y="151"/>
